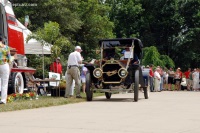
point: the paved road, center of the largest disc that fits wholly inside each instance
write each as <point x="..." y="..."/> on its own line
<point x="164" y="112"/>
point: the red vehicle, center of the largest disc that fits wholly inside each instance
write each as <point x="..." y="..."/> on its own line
<point x="12" y="35"/>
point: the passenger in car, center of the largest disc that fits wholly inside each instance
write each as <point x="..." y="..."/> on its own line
<point x="135" y="59"/>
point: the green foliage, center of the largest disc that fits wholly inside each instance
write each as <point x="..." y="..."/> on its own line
<point x="96" y="25"/>
<point x="152" y="56"/>
<point x="171" y="26"/>
<point x="126" y="16"/>
<point x="43" y="101"/>
<point x="36" y="61"/>
<point x="50" y="34"/>
<point x="167" y="61"/>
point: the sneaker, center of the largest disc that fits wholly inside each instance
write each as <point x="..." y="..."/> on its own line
<point x="78" y="96"/>
<point x="2" y="103"/>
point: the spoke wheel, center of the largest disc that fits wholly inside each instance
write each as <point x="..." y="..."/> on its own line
<point x="88" y="89"/>
<point x="136" y="86"/>
<point x="146" y="92"/>
<point x="108" y="95"/>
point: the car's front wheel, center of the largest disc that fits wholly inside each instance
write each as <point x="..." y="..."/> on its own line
<point x="88" y="89"/>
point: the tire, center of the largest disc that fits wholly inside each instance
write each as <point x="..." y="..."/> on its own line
<point x="146" y="93"/>
<point x="89" y="91"/>
<point x="16" y="83"/>
<point x="136" y="86"/>
<point x="108" y="95"/>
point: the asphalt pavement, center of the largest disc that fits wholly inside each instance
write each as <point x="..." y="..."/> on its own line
<point x="163" y="112"/>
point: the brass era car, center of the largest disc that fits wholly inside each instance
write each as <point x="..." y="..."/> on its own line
<point x="118" y="69"/>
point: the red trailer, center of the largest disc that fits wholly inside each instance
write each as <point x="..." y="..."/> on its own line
<point x="12" y="35"/>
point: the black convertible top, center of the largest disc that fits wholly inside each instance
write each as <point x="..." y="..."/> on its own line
<point x="117" y="42"/>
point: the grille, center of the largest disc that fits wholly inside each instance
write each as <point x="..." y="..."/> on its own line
<point x="110" y="73"/>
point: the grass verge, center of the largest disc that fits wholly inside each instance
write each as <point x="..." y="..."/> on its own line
<point x="43" y="101"/>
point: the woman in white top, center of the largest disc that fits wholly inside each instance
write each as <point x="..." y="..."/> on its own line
<point x="157" y="79"/>
<point x="195" y="77"/>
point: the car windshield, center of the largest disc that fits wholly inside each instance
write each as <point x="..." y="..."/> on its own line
<point x="116" y="48"/>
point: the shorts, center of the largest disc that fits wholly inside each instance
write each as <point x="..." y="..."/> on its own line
<point x="177" y="81"/>
<point x="188" y="81"/>
<point x="170" y="80"/>
<point x="83" y="80"/>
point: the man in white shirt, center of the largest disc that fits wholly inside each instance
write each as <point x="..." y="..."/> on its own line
<point x="73" y="72"/>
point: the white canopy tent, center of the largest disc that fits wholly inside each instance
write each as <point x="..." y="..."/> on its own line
<point x="33" y="46"/>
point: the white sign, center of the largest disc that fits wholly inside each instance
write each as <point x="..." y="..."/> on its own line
<point x="128" y="54"/>
<point x="54" y="76"/>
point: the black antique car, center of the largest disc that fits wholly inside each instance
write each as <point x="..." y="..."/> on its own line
<point x="118" y="69"/>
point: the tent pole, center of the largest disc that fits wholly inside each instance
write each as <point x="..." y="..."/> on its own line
<point x="43" y="62"/>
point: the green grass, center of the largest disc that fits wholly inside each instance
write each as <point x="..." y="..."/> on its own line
<point x="43" y="101"/>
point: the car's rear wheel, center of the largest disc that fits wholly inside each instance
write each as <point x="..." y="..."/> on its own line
<point x="146" y="92"/>
<point x="88" y="89"/>
<point x="108" y="95"/>
<point x="136" y="86"/>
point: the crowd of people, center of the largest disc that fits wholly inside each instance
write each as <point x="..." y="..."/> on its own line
<point x="163" y="79"/>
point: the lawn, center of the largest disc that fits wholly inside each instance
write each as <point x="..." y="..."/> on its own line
<point x="42" y="101"/>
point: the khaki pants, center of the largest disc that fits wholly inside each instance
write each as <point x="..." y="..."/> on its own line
<point x="72" y="73"/>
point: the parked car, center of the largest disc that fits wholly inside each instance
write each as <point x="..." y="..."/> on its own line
<point x="112" y="73"/>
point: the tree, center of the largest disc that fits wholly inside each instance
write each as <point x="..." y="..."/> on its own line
<point x="50" y="35"/>
<point x="127" y="17"/>
<point x="152" y="56"/>
<point x="172" y="26"/>
<point x="96" y="25"/>
<point x="64" y="12"/>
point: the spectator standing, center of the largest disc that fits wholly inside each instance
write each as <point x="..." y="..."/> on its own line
<point x="73" y="72"/>
<point x="56" y="66"/>
<point x="177" y="78"/>
<point x="83" y="77"/>
<point x="5" y="60"/>
<point x="195" y="77"/>
<point x="165" y="78"/>
<point x="157" y="79"/>
<point x="151" y="77"/>
<point x="191" y="80"/>
<point x="187" y="76"/>
<point x="161" y="72"/>
<point x="170" y="78"/>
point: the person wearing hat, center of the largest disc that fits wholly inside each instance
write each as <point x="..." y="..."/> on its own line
<point x="73" y="72"/>
<point x="56" y="66"/>
<point x="5" y="60"/>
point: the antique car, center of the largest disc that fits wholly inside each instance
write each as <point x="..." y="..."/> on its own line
<point x="117" y="70"/>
